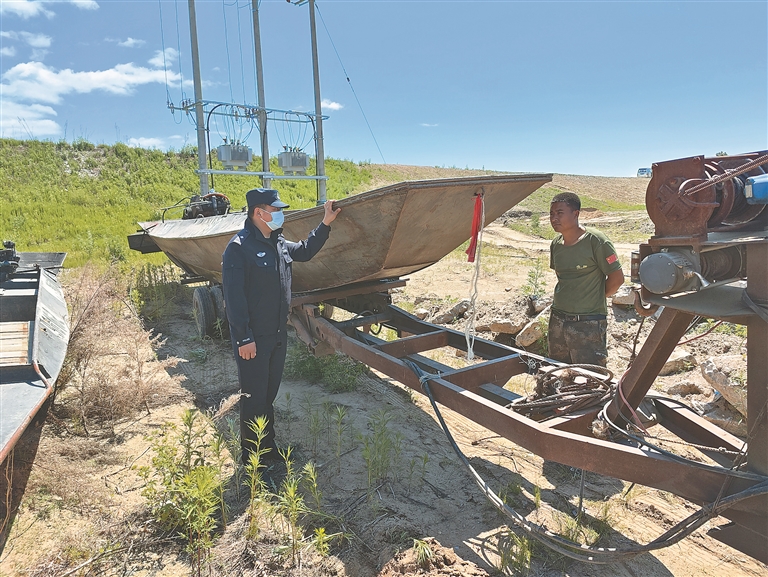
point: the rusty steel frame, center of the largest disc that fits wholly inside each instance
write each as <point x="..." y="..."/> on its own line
<point x="477" y="393"/>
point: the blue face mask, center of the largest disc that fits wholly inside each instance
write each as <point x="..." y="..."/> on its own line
<point x="278" y="218"/>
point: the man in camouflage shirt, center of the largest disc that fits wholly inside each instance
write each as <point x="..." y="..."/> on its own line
<point x="588" y="271"/>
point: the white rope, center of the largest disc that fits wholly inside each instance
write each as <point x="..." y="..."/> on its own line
<point x="469" y="329"/>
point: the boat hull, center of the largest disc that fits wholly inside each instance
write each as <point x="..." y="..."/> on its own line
<point x="384" y="233"/>
<point x="34" y="332"/>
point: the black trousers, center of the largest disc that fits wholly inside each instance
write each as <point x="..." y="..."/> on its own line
<point x="259" y="381"/>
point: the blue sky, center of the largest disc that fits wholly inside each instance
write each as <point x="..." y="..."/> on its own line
<point x="572" y="87"/>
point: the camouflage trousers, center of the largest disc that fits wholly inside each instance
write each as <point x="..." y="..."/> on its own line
<point x="578" y="342"/>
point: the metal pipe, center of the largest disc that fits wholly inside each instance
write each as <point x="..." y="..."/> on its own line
<point x="320" y="161"/>
<point x="265" y="180"/>
<point x="202" y="151"/>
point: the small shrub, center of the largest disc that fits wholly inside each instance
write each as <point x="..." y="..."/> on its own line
<point x="536" y="283"/>
<point x="184" y="483"/>
<point x="423" y="553"/>
<point x="337" y="372"/>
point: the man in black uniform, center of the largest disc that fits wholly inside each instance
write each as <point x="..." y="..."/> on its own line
<point x="256" y="272"/>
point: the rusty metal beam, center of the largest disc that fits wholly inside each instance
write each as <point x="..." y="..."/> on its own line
<point x="621" y="461"/>
<point x="691" y="428"/>
<point x="660" y="343"/>
<point x="363" y="321"/>
<point x="496" y="372"/>
<point x="298" y="299"/>
<point x="557" y="440"/>
<point x="415" y="344"/>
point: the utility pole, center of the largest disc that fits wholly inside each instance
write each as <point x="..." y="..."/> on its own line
<point x="260" y="95"/>
<point x="321" y="188"/>
<point x="202" y="152"/>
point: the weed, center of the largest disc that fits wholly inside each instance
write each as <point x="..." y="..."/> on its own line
<point x="510" y="492"/>
<point x="292" y="505"/>
<point x="198" y="355"/>
<point x="536" y="497"/>
<point x="340" y="428"/>
<point x="321" y="542"/>
<point x="184" y="483"/>
<point x="411" y="470"/>
<point x="424" y="461"/>
<point x="573" y="529"/>
<point x="235" y="448"/>
<point x="153" y="289"/>
<point x="378" y="447"/>
<point x="314" y="429"/>
<point x="254" y="479"/>
<point x="89" y="392"/>
<point x="337" y="372"/>
<point x="514" y="554"/>
<point x="309" y="476"/>
<point x="535" y="224"/>
<point x="536" y="283"/>
<point x="423" y="553"/>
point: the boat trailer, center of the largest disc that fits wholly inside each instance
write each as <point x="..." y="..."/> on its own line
<point x="713" y="237"/>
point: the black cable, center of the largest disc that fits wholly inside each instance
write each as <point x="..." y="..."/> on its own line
<point x="317" y="9"/>
<point x="571" y="549"/>
<point x="729" y="472"/>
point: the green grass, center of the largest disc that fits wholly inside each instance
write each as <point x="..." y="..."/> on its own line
<point x="539" y="202"/>
<point x="630" y="230"/>
<point x="84" y="199"/>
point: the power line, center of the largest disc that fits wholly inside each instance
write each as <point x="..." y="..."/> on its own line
<point x="226" y="45"/>
<point x="350" y="83"/>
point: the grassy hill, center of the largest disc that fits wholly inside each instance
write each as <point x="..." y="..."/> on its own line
<point x="85" y="199"/>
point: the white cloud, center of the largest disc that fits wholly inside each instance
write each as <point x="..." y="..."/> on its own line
<point x="331" y="105"/>
<point x="143" y="142"/>
<point x="8" y="51"/>
<point x="171" y="54"/>
<point x="23" y="120"/>
<point x="131" y="43"/>
<point x="36" y="82"/>
<point x="86" y="4"/>
<point x="427" y="125"/>
<point x="36" y="40"/>
<point x="24" y="8"/>
<point x="30" y="8"/>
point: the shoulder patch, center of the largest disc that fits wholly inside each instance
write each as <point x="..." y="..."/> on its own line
<point x="611" y="259"/>
<point x="240" y="237"/>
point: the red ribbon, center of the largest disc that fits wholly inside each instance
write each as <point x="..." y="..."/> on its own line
<point x="477" y="223"/>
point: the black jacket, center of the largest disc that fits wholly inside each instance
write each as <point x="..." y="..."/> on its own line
<point x="256" y="279"/>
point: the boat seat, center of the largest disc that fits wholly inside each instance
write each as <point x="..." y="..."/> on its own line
<point x="15" y="343"/>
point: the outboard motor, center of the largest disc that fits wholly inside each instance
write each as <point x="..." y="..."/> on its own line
<point x="211" y="204"/>
<point x="9" y="260"/>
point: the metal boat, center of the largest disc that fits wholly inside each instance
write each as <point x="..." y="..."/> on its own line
<point x="34" y="332"/>
<point x="384" y="233"/>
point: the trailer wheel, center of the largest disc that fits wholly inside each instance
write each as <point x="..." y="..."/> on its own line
<point x="203" y="310"/>
<point x="221" y="326"/>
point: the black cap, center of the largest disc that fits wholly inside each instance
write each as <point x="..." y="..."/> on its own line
<point x="267" y="196"/>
